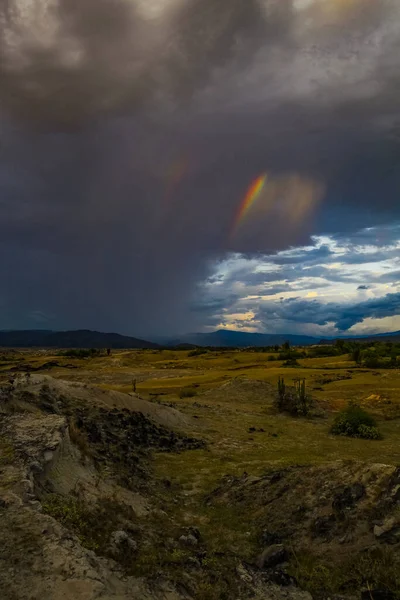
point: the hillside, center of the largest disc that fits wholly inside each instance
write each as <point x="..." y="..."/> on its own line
<point x="242" y="339"/>
<point x="82" y="338"/>
<point x="394" y="336"/>
<point x="85" y="338"/>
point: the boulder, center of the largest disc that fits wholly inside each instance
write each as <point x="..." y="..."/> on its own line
<point x="389" y="531"/>
<point x="347" y="498"/>
<point x="120" y="539"/>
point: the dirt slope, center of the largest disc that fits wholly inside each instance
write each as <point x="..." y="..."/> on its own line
<point x="96" y="485"/>
<point x="88" y="395"/>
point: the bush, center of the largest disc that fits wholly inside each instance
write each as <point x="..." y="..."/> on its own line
<point x="291" y="362"/>
<point x="354" y="421"/>
<point x="197" y="352"/>
<point x="356" y="354"/>
<point x="369" y="433"/>
<point x="372" y="362"/>
<point x="322" y="351"/>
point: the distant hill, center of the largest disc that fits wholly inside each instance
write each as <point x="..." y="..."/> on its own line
<point x="85" y="338"/>
<point x="241" y="339"/>
<point x="82" y="338"/>
<point x="394" y="336"/>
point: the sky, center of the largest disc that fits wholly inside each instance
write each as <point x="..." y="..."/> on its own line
<point x="131" y="132"/>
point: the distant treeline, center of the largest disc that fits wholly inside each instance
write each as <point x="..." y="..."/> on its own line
<point x="371" y="354"/>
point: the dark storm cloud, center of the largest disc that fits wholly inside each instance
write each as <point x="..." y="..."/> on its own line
<point x="98" y="98"/>
<point x="304" y="256"/>
<point x="385" y="236"/>
<point x="299" y="310"/>
<point x="352" y="256"/>
<point x="216" y="305"/>
<point x="68" y="62"/>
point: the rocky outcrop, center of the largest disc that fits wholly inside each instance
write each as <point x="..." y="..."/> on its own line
<point x="51" y="451"/>
<point x="39" y="558"/>
<point x="343" y="515"/>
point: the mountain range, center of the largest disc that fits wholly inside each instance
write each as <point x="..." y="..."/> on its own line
<point x="85" y="338"/>
<point x="82" y="338"/>
<point x="241" y="339"/>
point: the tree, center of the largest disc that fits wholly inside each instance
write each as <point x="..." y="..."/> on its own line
<point x="356" y="354"/>
<point x="340" y="345"/>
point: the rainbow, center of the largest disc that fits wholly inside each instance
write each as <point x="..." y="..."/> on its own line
<point x="251" y="196"/>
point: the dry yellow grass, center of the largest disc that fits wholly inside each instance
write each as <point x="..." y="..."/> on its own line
<point x="224" y="418"/>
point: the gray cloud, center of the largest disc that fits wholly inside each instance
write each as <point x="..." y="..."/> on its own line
<point x="97" y="100"/>
<point x="304" y="256"/>
<point x="66" y="64"/>
<point x="390" y="277"/>
<point x="299" y="310"/>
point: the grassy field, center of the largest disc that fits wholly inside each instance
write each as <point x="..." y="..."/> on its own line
<point x="230" y="392"/>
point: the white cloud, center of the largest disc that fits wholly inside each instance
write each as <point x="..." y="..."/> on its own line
<point x="307" y="279"/>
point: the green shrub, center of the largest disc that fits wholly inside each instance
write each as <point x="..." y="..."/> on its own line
<point x="322" y="351"/>
<point x="291" y="362"/>
<point x="369" y="433"/>
<point x="356" y="354"/>
<point x="354" y="421"/>
<point x="198" y="352"/>
<point x="372" y="362"/>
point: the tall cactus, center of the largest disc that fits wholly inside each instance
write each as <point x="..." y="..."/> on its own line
<point x="300" y="387"/>
<point x="281" y="391"/>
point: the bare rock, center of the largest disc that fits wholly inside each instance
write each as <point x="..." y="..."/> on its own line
<point x="120" y="539"/>
<point x="348" y="497"/>
<point x="389" y="531"/>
